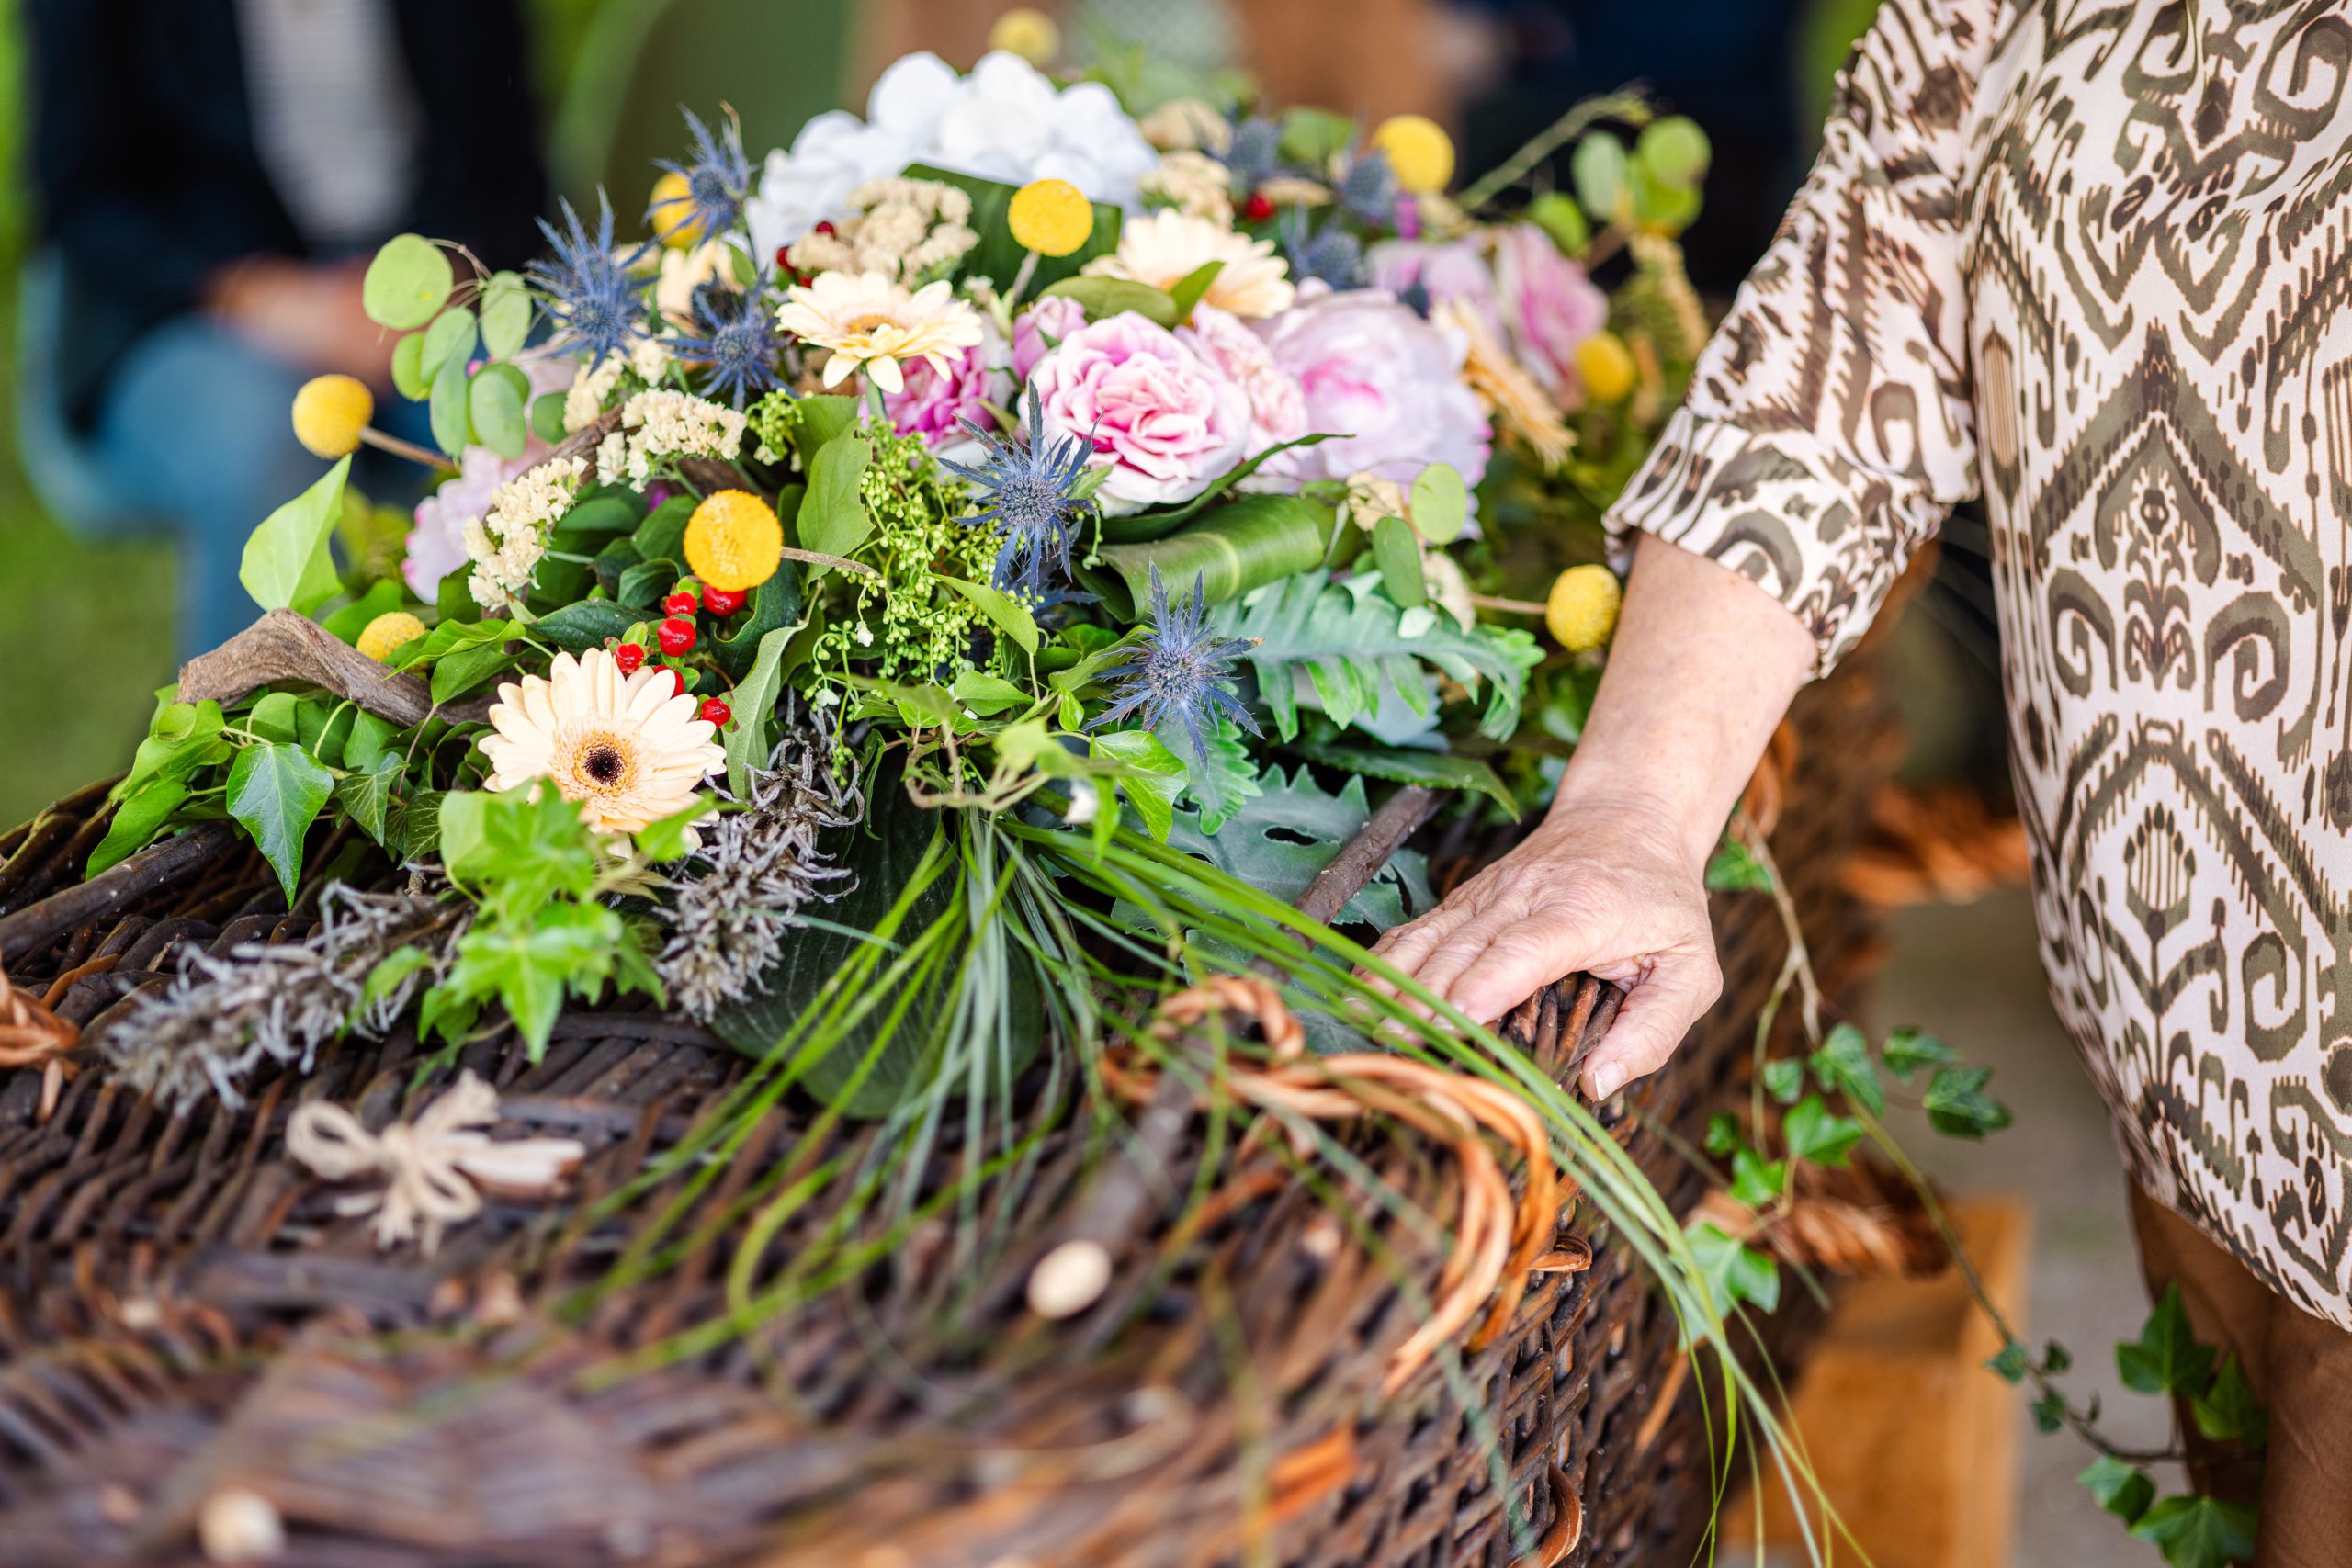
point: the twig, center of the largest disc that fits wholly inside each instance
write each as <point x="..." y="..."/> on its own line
<point x="26" y="930"/>
<point x="1625" y="104"/>
<point x="1364" y="854"/>
<point x="284" y="646"/>
<point x="1508" y="606"/>
<point x="409" y="450"/>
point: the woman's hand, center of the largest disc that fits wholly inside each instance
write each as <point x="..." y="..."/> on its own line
<point x="1614" y="881"/>
<point x="1611" y="891"/>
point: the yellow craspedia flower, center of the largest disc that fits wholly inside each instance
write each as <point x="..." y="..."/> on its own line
<point x="733" y="541"/>
<point x="329" y="414"/>
<point x="1029" y="33"/>
<point x="673" y="209"/>
<point x="1582" y="609"/>
<point x="1051" y="218"/>
<point x="1421" y="154"/>
<point x="387" y="632"/>
<point x="1606" y="365"/>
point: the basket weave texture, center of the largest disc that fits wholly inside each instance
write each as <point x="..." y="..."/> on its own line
<point x="185" y="1315"/>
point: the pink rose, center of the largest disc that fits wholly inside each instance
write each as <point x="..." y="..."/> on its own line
<point x="935" y="405"/>
<point x="1277" y="407"/>
<point x="1549" y="305"/>
<point x="1167" y="420"/>
<point x="1040" y="327"/>
<point x="1385" y="384"/>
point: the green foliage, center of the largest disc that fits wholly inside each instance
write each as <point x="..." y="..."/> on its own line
<point x="1907" y="1050"/>
<point x="752" y="738"/>
<point x="1289" y="828"/>
<point x="409" y="280"/>
<point x="1735" y="868"/>
<point x="1732" y="1272"/>
<point x="1958" y="1106"/>
<point x="506" y="315"/>
<point x="1244" y="544"/>
<point x="290" y="562"/>
<point x="2199" y="1532"/>
<point x="1817" y="1133"/>
<point x="1843" y="1066"/>
<point x="1359" y="649"/>
<point x="1412" y="764"/>
<point x="834" y="519"/>
<point x="275" y="793"/>
<point x="1101" y="296"/>
<point x="2166" y="1357"/>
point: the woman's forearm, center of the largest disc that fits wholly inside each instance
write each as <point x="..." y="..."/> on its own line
<point x="1702" y="666"/>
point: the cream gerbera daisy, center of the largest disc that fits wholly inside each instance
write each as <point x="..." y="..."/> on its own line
<point x="623" y="746"/>
<point x="869" y="320"/>
<point x="1164" y="248"/>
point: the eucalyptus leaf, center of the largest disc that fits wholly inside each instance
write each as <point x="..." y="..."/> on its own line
<point x="407" y="368"/>
<point x="406" y="282"/>
<point x="506" y="315"/>
<point x="451" y="336"/>
<point x="1601" y="173"/>
<point x="495" y="405"/>
<point x="449" y="407"/>
<point x="1398" y="553"/>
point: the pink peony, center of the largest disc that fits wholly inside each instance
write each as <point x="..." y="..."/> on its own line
<point x="1277" y="407"/>
<point x="933" y="406"/>
<point x="1385" y="384"/>
<point x="1040" y="327"/>
<point x="1165" y="417"/>
<point x="1549" y="305"/>
<point x="1450" y="272"/>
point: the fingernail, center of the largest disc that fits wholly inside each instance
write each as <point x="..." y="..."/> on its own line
<point x="1607" y="1079"/>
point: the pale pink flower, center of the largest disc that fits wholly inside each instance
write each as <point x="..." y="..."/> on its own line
<point x="1167" y="420"/>
<point x="933" y="404"/>
<point x="1549" y="306"/>
<point x="1385" y="384"/>
<point x="1036" y="330"/>
<point x="1277" y="407"/>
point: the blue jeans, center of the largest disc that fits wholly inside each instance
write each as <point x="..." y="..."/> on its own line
<point x="198" y="421"/>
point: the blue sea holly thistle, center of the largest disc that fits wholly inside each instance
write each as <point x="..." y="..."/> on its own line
<point x="598" y="303"/>
<point x="739" y="344"/>
<point x="717" y="182"/>
<point x="1038" y="490"/>
<point x="1179" y="674"/>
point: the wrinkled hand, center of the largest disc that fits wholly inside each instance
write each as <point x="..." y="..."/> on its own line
<point x="1610" y="892"/>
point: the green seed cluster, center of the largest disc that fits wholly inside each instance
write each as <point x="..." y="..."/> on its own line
<point x="907" y="627"/>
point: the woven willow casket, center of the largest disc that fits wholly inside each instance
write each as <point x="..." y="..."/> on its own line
<point x="197" y="1345"/>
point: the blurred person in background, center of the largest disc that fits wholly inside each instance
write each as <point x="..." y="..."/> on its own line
<point x="214" y="175"/>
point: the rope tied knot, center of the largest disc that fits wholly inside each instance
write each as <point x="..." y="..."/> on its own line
<point x="430" y="1165"/>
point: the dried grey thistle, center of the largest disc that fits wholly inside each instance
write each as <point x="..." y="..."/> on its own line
<point x="222" y="1017"/>
<point x="762" y="866"/>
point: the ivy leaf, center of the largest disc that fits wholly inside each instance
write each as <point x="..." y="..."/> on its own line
<point x="2056" y="1357"/>
<point x="2166" y="1357"/>
<point x="1843" y="1066"/>
<point x="389" y="974"/>
<point x="2228" y="1411"/>
<point x="1785" y="1080"/>
<point x="2049" y="1413"/>
<point x="367" y="797"/>
<point x="2119" y="1488"/>
<point x="1817" y="1133"/>
<point x="288" y="563"/>
<point x="2199" y="1532"/>
<point x="1907" y="1050"/>
<point x="137" y="820"/>
<point x="1735" y="868"/>
<point x="1958" y="1106"/>
<point x="1724" y="1135"/>
<point x="2011" y="1365"/>
<point x="1732" y="1272"/>
<point x="1753" y="1181"/>
<point x="275" y="791"/>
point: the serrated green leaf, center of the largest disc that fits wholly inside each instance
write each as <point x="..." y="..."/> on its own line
<point x="275" y="793"/>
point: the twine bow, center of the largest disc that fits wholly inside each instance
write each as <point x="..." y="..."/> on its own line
<point x="426" y="1163"/>
<point x="32" y="1035"/>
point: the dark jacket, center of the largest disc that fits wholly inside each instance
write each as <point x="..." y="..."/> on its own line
<point x="149" y="181"/>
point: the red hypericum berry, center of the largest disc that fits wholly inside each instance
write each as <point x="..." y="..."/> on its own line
<point x="715" y="712"/>
<point x="677" y="636"/>
<point x="628" y="657"/>
<point x="1259" y="207"/>
<point x="825" y="226"/>
<point x="784" y="258"/>
<point x="681" y="604"/>
<point x="719" y="601"/>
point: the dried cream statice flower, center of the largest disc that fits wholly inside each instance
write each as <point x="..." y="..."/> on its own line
<point x="590" y="385"/>
<point x="505" y="543"/>
<point x="1183" y="125"/>
<point x="901" y="227"/>
<point x="872" y="322"/>
<point x="1164" y="248"/>
<point x="627" y="748"/>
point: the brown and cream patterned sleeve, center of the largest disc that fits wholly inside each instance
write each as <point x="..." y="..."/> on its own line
<point x="1829" y="428"/>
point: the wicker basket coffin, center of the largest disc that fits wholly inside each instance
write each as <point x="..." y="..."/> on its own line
<point x="195" y="1342"/>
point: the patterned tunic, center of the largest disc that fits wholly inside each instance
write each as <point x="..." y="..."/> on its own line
<point x="2091" y="260"/>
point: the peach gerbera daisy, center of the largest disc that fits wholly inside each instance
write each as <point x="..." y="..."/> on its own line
<point x="870" y="320"/>
<point x="1164" y="248"/>
<point x="623" y="746"/>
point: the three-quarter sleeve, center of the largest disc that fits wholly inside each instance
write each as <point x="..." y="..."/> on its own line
<point x="1829" y="428"/>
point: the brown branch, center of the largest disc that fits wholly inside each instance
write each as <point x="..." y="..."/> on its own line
<point x="28" y="930"/>
<point x="1364" y="854"/>
<point x="283" y="646"/>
